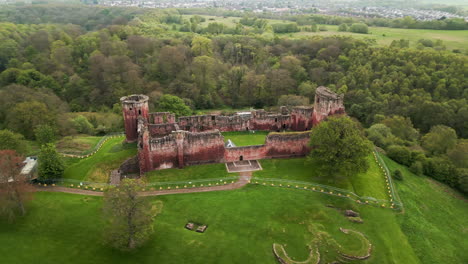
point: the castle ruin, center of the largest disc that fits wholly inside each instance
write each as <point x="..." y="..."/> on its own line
<point x="164" y="142"/>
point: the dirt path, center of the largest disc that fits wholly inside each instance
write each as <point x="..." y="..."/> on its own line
<point x="243" y="180"/>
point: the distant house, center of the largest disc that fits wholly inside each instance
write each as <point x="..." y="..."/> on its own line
<point x="30" y="168"/>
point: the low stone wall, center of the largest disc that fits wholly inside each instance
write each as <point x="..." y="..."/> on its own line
<point x="130" y="166"/>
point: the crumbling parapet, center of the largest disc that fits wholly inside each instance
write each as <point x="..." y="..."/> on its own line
<point x="326" y="103"/>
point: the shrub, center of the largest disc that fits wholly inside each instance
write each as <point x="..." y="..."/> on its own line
<point x="397" y="175"/>
<point x="359" y="28"/>
<point x="417" y="168"/>
<point x="399" y="154"/>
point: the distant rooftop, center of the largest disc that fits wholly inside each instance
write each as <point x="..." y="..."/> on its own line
<point x="31" y="163"/>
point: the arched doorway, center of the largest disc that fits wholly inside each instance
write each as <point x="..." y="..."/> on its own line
<point x="241" y="158"/>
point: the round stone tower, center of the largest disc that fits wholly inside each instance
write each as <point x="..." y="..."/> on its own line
<point x="134" y="107"/>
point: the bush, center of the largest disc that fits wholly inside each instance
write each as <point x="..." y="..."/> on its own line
<point x="343" y="27"/>
<point x="397" y="175"/>
<point x="417" y="168"/>
<point x="399" y="154"/>
<point x="359" y="28"/>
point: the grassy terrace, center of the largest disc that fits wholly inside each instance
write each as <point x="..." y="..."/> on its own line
<point x="197" y="172"/>
<point x="371" y="183"/>
<point x="243" y="225"/>
<point x="97" y="167"/>
<point x="246" y="138"/>
<point x="77" y="144"/>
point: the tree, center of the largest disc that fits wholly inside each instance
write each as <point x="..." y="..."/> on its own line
<point x="400" y="154"/>
<point x="202" y="46"/>
<point x="381" y="135"/>
<point x="401" y="127"/>
<point x="173" y="104"/>
<point x="291" y="100"/>
<point x="459" y="154"/>
<point x="44" y="134"/>
<point x="359" y="28"/>
<point x="439" y="140"/>
<point x="129" y="216"/>
<point x="343" y="27"/>
<point x="15" y="191"/>
<point x="82" y="125"/>
<point x="12" y="141"/>
<point x="339" y="147"/>
<point x="23" y="118"/>
<point x="50" y="163"/>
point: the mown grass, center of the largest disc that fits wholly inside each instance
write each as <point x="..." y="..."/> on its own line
<point x="97" y="167"/>
<point x="370" y="183"/>
<point x="242" y="226"/>
<point x="196" y="172"/>
<point x="246" y="138"/>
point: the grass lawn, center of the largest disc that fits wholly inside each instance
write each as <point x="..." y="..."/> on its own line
<point x="197" y="172"/>
<point x="243" y="225"/>
<point x="246" y="138"/>
<point x="97" y="167"/>
<point x="453" y="39"/>
<point x="371" y="183"/>
<point x="77" y="144"/>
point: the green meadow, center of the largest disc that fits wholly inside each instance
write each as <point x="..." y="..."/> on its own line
<point x="243" y="224"/>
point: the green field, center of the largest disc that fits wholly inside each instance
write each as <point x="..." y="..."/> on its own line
<point x="196" y="172"/>
<point x="77" y="144"/>
<point x="371" y="183"/>
<point x="97" y="167"/>
<point x="453" y="39"/>
<point x="246" y="138"/>
<point x="243" y="225"/>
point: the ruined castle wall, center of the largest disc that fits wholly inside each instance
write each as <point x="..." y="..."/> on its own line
<point x="291" y="144"/>
<point x="197" y="123"/>
<point x="144" y="148"/>
<point x="164" y="152"/>
<point x="326" y="103"/>
<point x="301" y="118"/>
<point x="271" y="122"/>
<point x="133" y="107"/>
<point x="245" y="153"/>
<point x="161" y="118"/>
<point x="159" y="130"/>
<point x="203" y="147"/>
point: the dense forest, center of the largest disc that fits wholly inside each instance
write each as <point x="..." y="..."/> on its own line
<point x="69" y="71"/>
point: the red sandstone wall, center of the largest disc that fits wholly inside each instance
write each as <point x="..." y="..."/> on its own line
<point x="132" y="110"/>
<point x="326" y="103"/>
<point x="245" y="153"/>
<point x="301" y="119"/>
<point x="206" y="147"/>
<point x="282" y="145"/>
<point x="161" y="118"/>
<point x="159" y="130"/>
<point x="163" y="152"/>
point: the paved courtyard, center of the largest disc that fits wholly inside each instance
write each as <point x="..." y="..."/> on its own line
<point x="243" y="165"/>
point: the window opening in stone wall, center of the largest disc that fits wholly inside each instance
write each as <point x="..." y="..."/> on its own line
<point x="241" y="158"/>
<point x="139" y="112"/>
<point x="213" y="118"/>
<point x="276" y="119"/>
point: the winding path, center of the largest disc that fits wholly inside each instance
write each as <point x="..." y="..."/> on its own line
<point x="243" y="180"/>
